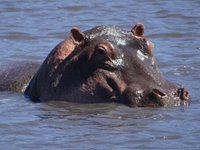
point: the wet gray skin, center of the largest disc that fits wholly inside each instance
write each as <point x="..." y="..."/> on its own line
<point x="107" y="64"/>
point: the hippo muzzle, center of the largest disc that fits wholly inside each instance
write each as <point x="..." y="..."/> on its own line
<point x="155" y="97"/>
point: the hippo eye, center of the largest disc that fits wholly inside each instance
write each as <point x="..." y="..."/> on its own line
<point x="101" y="50"/>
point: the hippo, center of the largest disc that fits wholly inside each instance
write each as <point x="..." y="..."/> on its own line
<point x="102" y="65"/>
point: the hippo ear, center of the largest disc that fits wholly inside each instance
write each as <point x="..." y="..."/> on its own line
<point x="77" y="35"/>
<point x="150" y="46"/>
<point x="138" y="30"/>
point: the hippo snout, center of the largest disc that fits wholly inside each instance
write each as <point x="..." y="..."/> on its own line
<point x="155" y="97"/>
<point x="183" y="94"/>
<point x="175" y="97"/>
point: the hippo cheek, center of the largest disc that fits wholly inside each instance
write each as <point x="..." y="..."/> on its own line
<point x="117" y="85"/>
<point x="104" y="86"/>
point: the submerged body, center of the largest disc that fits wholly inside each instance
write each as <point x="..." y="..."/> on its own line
<point x="104" y="64"/>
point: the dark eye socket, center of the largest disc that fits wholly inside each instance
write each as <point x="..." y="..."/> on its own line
<point x="101" y="50"/>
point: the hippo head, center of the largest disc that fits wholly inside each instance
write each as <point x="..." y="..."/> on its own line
<point x="106" y="64"/>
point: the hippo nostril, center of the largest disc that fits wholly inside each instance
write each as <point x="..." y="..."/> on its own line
<point x="183" y="94"/>
<point x="158" y="93"/>
<point x="156" y="98"/>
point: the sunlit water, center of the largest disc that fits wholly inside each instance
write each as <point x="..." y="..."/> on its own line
<point x="29" y="29"/>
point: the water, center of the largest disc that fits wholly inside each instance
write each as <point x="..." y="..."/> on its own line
<point x="29" y="29"/>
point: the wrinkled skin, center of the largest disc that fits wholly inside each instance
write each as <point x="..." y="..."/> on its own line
<point x="105" y="64"/>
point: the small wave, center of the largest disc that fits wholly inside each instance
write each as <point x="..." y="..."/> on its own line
<point x="75" y="8"/>
<point x="15" y="10"/>
<point x="56" y="35"/>
<point x="18" y="36"/>
<point x="168" y="35"/>
<point x="177" y="16"/>
<point x="184" y="70"/>
<point x="7" y="96"/>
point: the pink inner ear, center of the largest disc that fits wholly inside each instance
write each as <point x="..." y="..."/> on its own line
<point x="77" y="35"/>
<point x="138" y="30"/>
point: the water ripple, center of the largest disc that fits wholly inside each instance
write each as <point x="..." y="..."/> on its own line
<point x="74" y="8"/>
<point x="168" y="35"/>
<point x="177" y="16"/>
<point x="18" y="36"/>
<point x="184" y="70"/>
